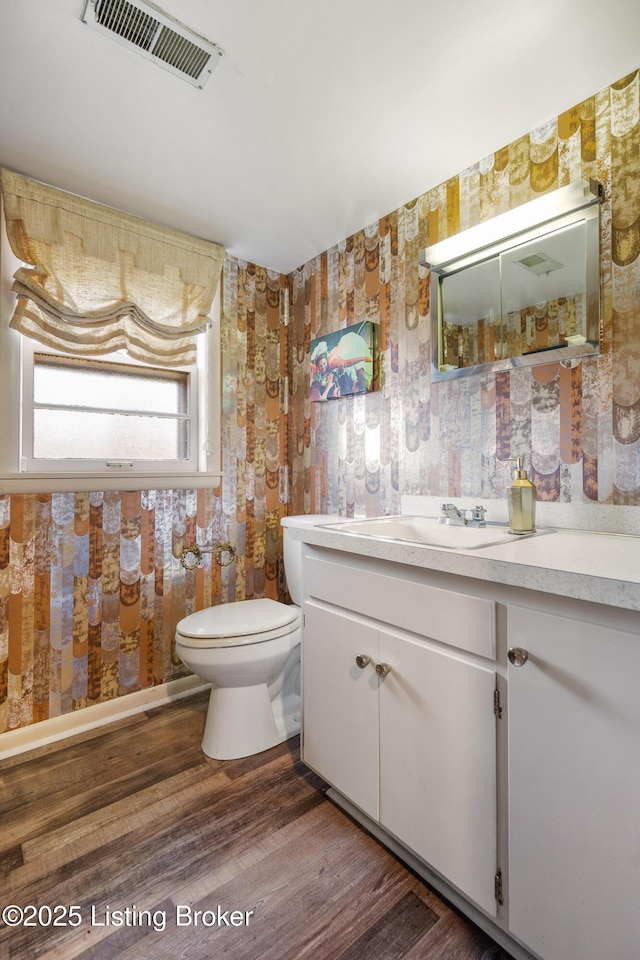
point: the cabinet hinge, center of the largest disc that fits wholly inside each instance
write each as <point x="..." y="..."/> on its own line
<point x="497" y="703"/>
<point x="497" y="886"/>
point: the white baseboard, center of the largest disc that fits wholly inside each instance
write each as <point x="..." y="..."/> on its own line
<point x="35" y="735"/>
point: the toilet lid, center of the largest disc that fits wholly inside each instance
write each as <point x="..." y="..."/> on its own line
<point x="242" y="618"/>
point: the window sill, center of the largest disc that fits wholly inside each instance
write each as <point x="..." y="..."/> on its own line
<point x="80" y="482"/>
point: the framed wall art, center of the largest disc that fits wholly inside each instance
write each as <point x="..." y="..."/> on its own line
<point x="342" y="363"/>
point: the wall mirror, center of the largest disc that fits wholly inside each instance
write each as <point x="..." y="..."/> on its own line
<point x="520" y="289"/>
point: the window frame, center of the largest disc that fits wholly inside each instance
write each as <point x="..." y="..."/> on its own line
<point x="31" y="464"/>
<point x="21" y="473"/>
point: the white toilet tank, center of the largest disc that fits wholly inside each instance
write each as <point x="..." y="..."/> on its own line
<point x="293" y="549"/>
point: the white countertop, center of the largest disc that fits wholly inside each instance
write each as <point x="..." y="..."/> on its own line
<point x="601" y="567"/>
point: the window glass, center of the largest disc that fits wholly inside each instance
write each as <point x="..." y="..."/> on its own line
<point x="98" y="410"/>
<point x="76" y="435"/>
<point x="82" y="383"/>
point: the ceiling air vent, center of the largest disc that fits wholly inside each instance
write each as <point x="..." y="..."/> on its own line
<point x="145" y="28"/>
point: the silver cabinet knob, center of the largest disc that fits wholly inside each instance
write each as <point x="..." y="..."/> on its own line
<point x="362" y="661"/>
<point x="382" y="669"/>
<point x="517" y="656"/>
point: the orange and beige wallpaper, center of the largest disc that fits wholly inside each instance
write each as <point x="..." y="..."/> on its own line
<point x="90" y="584"/>
<point x="579" y="424"/>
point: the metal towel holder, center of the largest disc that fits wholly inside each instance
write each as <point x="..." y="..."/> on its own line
<point x="216" y="549"/>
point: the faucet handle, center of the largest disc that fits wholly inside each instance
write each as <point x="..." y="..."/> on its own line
<point x="478" y="517"/>
<point x="445" y="512"/>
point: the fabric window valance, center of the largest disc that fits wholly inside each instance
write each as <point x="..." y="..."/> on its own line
<point x="100" y="280"/>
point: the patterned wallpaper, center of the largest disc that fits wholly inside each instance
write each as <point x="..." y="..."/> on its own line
<point x="579" y="424"/>
<point x="253" y="495"/>
<point x="90" y="584"/>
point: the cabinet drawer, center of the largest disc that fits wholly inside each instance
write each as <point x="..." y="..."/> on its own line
<point x="460" y="620"/>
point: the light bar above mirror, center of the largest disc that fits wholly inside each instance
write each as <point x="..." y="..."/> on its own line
<point x="519" y="289"/>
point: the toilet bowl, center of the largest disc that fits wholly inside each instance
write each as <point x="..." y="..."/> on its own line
<point x="249" y="650"/>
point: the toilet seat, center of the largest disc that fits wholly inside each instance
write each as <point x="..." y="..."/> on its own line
<point x="240" y="622"/>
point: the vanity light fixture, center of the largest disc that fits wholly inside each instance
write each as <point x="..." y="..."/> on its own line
<point x="487" y="281"/>
<point x="492" y="236"/>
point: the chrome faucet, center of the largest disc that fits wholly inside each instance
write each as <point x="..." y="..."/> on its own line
<point x="449" y="513"/>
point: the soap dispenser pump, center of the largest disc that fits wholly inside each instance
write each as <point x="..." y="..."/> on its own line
<point x="521" y="499"/>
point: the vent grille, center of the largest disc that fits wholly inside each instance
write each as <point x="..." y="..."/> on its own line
<point x="128" y="22"/>
<point x="157" y="36"/>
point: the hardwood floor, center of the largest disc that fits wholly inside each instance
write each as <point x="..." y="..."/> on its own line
<point x="165" y="853"/>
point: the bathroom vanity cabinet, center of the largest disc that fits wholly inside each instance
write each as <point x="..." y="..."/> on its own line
<point x="574" y="787"/>
<point x="498" y="742"/>
<point x="403" y="723"/>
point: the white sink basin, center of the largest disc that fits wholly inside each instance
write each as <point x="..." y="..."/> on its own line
<point x="427" y="531"/>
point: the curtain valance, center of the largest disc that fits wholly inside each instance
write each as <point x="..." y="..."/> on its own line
<point x="100" y="280"/>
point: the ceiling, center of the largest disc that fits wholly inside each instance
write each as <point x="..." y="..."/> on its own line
<point x="320" y="118"/>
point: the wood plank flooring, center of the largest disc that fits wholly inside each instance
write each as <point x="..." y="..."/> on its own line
<point x="168" y="854"/>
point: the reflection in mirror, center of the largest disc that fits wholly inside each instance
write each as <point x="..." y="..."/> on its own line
<point x="529" y="298"/>
<point x="471" y="315"/>
<point x="544" y="285"/>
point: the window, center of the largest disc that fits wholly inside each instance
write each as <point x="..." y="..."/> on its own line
<point x="93" y="420"/>
<point x="106" y="413"/>
<point x="72" y="414"/>
<point x="107" y="417"/>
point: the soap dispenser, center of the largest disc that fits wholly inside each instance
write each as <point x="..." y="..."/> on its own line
<point x="521" y="499"/>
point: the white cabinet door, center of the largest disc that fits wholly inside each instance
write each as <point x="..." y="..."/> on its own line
<point x="574" y="788"/>
<point x="438" y="761"/>
<point x="340" y="703"/>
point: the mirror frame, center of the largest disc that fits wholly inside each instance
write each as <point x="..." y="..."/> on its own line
<point x="578" y="202"/>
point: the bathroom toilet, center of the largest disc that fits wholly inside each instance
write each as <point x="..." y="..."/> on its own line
<point x="249" y="651"/>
